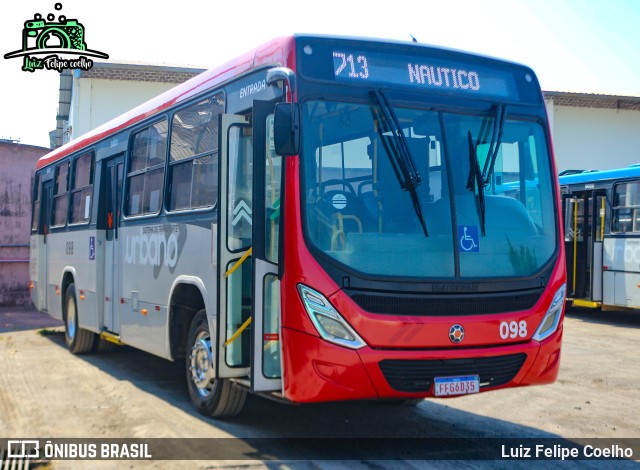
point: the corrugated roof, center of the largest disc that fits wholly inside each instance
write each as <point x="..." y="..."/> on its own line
<point x="592" y="100"/>
<point x="140" y="72"/>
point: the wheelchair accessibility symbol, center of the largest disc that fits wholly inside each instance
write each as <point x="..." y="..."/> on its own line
<point x="469" y="238"/>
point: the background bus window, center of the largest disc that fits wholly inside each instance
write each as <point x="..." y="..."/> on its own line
<point x="82" y="189"/>
<point x="574" y="220"/>
<point x="193" y="159"/>
<point x="146" y="170"/>
<point x="61" y="195"/>
<point x="516" y="174"/>
<point x="626" y="207"/>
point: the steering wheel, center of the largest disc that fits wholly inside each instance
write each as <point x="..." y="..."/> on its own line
<point x="337" y="182"/>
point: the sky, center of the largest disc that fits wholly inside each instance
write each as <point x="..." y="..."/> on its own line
<point x="582" y="46"/>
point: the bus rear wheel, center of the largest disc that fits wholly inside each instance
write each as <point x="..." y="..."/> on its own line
<point x="79" y="341"/>
<point x="216" y="398"/>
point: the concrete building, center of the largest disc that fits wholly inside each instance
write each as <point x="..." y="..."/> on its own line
<point x="17" y="167"/>
<point x="90" y="98"/>
<point x="594" y="132"/>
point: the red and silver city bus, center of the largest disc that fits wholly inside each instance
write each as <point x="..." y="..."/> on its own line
<point x="320" y="219"/>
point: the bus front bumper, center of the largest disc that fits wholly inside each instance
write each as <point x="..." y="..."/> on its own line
<point x="318" y="371"/>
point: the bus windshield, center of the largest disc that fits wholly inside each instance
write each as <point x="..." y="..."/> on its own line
<point x="359" y="212"/>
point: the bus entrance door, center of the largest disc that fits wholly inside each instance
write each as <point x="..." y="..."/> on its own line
<point x="112" y="275"/>
<point x="267" y="185"/>
<point x="235" y="219"/>
<point x="248" y="319"/>
<point x="584" y="234"/>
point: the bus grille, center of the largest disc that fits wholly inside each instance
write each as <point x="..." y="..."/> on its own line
<point x="417" y="375"/>
<point x="446" y="305"/>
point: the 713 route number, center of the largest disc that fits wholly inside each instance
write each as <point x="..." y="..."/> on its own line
<point x="513" y="329"/>
<point x="354" y="67"/>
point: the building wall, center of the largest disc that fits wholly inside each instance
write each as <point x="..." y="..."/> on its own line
<point x="594" y="138"/>
<point x="93" y="101"/>
<point x="17" y="167"/>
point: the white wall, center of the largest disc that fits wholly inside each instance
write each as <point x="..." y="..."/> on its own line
<point x="594" y="138"/>
<point x="96" y="101"/>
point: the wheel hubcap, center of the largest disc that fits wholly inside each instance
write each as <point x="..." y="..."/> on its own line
<point x="201" y="364"/>
<point x="71" y="319"/>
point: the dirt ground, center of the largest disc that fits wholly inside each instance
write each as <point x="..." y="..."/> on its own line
<point x="46" y="392"/>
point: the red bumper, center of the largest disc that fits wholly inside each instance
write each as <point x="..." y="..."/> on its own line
<point x="326" y="372"/>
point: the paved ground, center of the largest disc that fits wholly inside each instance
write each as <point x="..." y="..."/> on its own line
<point x="47" y="392"/>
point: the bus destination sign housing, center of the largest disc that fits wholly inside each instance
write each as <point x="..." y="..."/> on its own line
<point x="418" y="67"/>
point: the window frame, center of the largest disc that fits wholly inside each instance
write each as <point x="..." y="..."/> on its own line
<point x="59" y="195"/>
<point x="73" y="190"/>
<point x="172" y="165"/>
<point x="615" y="209"/>
<point x="129" y="175"/>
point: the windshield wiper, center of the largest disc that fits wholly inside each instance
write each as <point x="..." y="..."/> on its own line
<point x="480" y="178"/>
<point x="496" y="140"/>
<point x="475" y="180"/>
<point x="401" y="160"/>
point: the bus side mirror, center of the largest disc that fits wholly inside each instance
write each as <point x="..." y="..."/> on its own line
<point x="286" y="129"/>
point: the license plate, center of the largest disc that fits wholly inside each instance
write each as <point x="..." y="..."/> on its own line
<point x="460" y="385"/>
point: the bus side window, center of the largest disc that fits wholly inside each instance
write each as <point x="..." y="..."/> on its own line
<point x="193" y="158"/>
<point x="61" y="195"/>
<point x="146" y="170"/>
<point x="82" y="188"/>
<point x="626" y="207"/>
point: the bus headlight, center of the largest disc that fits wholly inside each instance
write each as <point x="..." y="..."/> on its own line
<point x="329" y="323"/>
<point x="549" y="323"/>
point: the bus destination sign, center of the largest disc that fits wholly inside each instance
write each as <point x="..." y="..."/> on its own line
<point x="426" y="73"/>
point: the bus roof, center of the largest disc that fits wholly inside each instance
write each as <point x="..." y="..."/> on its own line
<point x="278" y="51"/>
<point x="603" y="175"/>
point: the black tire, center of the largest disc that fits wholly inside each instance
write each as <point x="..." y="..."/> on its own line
<point x="79" y="341"/>
<point x="216" y="398"/>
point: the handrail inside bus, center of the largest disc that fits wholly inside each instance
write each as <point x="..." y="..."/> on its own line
<point x="237" y="265"/>
<point x="238" y="333"/>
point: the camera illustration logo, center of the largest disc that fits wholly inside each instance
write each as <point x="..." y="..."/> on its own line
<point x="51" y="38"/>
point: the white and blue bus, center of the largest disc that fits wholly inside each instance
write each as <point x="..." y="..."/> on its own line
<point x="602" y="237"/>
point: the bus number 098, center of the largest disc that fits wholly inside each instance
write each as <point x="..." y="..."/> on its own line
<point x="513" y="329"/>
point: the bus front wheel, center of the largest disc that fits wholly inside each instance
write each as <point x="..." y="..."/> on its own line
<point x="213" y="397"/>
<point x="79" y="341"/>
